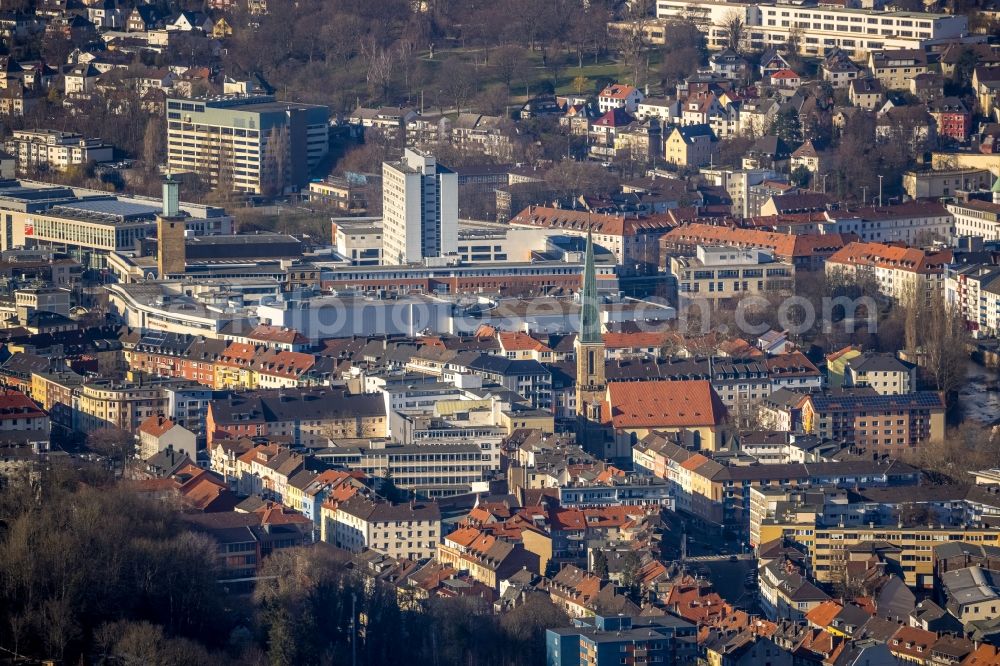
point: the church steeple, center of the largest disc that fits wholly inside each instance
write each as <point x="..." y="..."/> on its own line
<point x="590" y="316"/>
<point x="591" y="385"/>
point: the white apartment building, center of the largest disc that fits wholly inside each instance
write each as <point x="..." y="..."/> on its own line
<point x="358" y="240"/>
<point x="662" y="108"/>
<point x="975" y="291"/>
<point x="419" y="209"/>
<point x="432" y="470"/>
<point x="710" y="16"/>
<point x="719" y="273"/>
<point x="884" y="373"/>
<point x="913" y="222"/>
<point x="901" y="272"/>
<point x="856" y="31"/>
<point x="619" y="96"/>
<point x="818" y="29"/>
<point x="405" y="531"/>
<point x="42" y="149"/>
<point x="41" y="299"/>
<point x="976" y="218"/>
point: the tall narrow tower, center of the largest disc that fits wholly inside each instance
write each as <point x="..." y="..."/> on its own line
<point x="170" y="225"/>
<point x="591" y="385"/>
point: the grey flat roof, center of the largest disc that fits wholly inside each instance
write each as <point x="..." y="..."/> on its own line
<point x="243" y="239"/>
<point x="115" y="207"/>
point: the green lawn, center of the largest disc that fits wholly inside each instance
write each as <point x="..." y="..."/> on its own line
<point x="608" y="68"/>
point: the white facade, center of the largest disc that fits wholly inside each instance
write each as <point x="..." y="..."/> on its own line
<point x="419" y="208"/>
<point x="818" y="29"/>
<point x="660" y="108"/>
<point x="895" y="282"/>
<point x="37" y="149"/>
<point x="976" y="218"/>
<point x="618" y="96"/>
<point x="357" y="525"/>
<point x="909" y="223"/>
<point x="180" y="439"/>
<point x="975" y="292"/>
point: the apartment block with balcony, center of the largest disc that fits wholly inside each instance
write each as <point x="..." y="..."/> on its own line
<point x="720" y="273"/>
<point x="246" y="139"/>
<point x="44" y="149"/>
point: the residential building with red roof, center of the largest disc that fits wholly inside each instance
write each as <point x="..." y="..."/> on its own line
<point x="644" y="406"/>
<point x="278" y="337"/>
<point x="984" y="655"/>
<point x="266" y="469"/>
<point x="911" y="644"/>
<point x="158" y="432"/>
<point x="283" y="369"/>
<point x="792" y="370"/>
<point x="19" y="412"/>
<point x="901" y="272"/>
<point x="581" y="594"/>
<point x="488" y="558"/>
<point x="804" y="251"/>
<point x="785" y="78"/>
<point x="234" y="368"/>
<point x="911" y="222"/>
<point x="630" y="239"/>
<point x="650" y="344"/>
<point x="520" y="346"/>
<point x="619" y="96"/>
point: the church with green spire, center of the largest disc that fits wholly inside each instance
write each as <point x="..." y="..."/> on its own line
<point x="591" y="385"/>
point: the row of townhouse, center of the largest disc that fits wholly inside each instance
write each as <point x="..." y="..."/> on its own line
<point x="719" y="495"/>
<point x="827" y="546"/>
<point x="810" y="238"/>
<point x="876" y="415"/>
<point x="222" y="364"/>
<point x="274" y="472"/>
<point x="308" y="416"/>
<point x="81" y="404"/>
<point x="941" y="504"/>
<point x="738" y="382"/>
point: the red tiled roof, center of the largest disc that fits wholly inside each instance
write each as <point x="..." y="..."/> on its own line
<point x="238" y="353"/>
<point x="909" y="259"/>
<point x="14" y="405"/>
<point x="912" y="642"/>
<point x="984" y="655"/>
<point x="785" y="246"/>
<point x="156" y="425"/>
<point x="277" y="334"/>
<point x="611" y="225"/>
<point x="285" y="363"/>
<point x="518" y="341"/>
<point x="614" y="118"/>
<point x="655" y="404"/>
<point x="617" y="91"/>
<point x="637" y="339"/>
<point x="792" y="364"/>
<point x="822" y="615"/>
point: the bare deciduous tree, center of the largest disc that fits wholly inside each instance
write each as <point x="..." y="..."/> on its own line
<point x="734" y="26"/>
